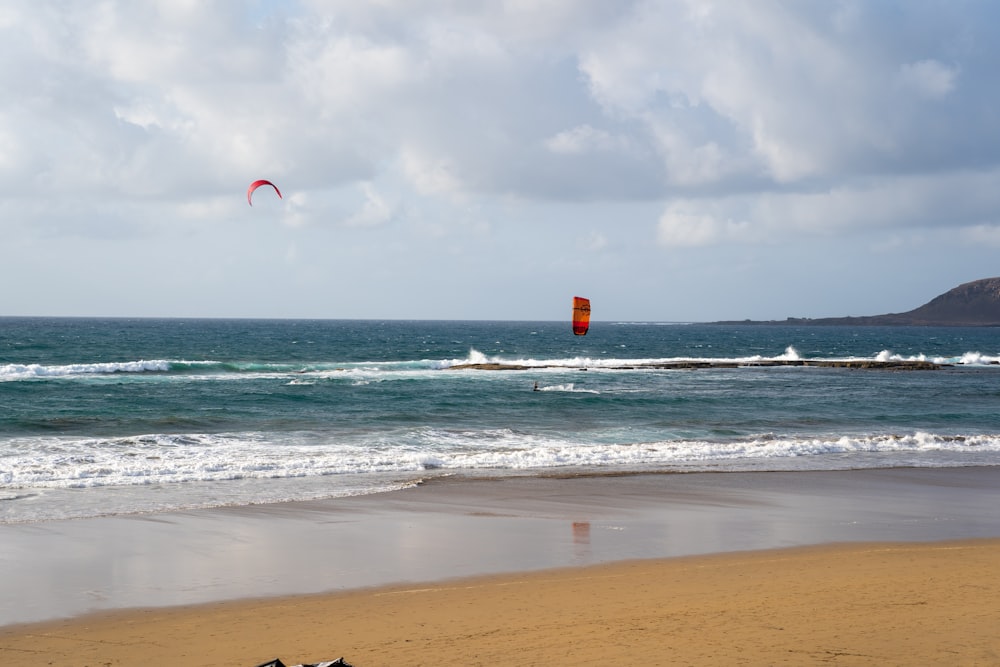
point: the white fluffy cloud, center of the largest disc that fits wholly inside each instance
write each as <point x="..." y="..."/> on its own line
<point x="679" y="227"/>
<point x="739" y="123"/>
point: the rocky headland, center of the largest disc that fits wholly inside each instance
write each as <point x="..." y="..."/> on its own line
<point x="973" y="304"/>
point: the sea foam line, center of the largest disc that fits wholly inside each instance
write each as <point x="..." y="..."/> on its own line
<point x="64" y="462"/>
<point x="11" y="372"/>
<point x="31" y="371"/>
<point x="790" y="353"/>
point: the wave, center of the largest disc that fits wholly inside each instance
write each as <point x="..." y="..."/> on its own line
<point x="13" y="372"/>
<point x="568" y="387"/>
<point x="161" y="459"/>
<point x="966" y="359"/>
<point x="155" y="366"/>
<point x="790" y="354"/>
<point x="58" y="477"/>
<point x="33" y="371"/>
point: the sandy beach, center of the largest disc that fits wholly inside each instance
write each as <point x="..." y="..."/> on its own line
<point x="854" y="568"/>
<point x="871" y="604"/>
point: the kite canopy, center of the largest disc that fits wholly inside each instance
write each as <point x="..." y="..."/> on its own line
<point x="581" y="315"/>
<point x="257" y="184"/>
<point x="339" y="662"/>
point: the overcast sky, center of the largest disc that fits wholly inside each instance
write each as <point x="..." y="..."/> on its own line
<point x="449" y="159"/>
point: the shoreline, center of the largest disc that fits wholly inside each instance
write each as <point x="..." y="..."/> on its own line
<point x="455" y="528"/>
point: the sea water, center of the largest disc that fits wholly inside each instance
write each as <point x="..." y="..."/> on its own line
<point x="112" y="416"/>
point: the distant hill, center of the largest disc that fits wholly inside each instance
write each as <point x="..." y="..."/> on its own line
<point x="975" y="304"/>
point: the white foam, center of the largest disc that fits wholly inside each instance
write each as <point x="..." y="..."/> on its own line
<point x="790" y="354"/>
<point x="218" y="371"/>
<point x="28" y="371"/>
<point x="977" y="359"/>
<point x="65" y="462"/>
<point x="569" y="387"/>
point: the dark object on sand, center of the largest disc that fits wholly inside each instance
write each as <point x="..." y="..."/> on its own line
<point x="339" y="662"/>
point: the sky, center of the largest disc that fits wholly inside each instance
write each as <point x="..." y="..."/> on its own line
<point x="679" y="160"/>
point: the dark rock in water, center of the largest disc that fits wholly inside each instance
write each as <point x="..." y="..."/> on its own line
<point x="491" y="367"/>
<point x="974" y="304"/>
<point x="901" y="364"/>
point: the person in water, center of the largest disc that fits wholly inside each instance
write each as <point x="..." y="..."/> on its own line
<point x="536" y="387"/>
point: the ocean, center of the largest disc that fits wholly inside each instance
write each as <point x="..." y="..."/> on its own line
<point x="123" y="416"/>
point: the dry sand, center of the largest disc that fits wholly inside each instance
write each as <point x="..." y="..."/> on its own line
<point x="867" y="604"/>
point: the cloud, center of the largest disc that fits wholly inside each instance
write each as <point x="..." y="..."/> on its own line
<point x="428" y="174"/>
<point x="787" y="93"/>
<point x="963" y="202"/>
<point x="375" y="210"/>
<point x="928" y="78"/>
<point x="585" y="139"/>
<point x="716" y="97"/>
<point x="680" y="227"/>
<point x="594" y="241"/>
<point x="988" y="235"/>
<point x="434" y="124"/>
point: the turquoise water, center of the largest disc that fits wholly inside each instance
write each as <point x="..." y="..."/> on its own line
<point x="103" y="416"/>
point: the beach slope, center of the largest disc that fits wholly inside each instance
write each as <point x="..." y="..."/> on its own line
<point x="857" y="604"/>
<point x="858" y="567"/>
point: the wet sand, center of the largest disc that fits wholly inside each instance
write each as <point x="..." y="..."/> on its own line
<point x="386" y="579"/>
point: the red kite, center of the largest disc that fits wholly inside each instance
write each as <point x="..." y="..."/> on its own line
<point x="257" y="184"/>
<point x="581" y="315"/>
